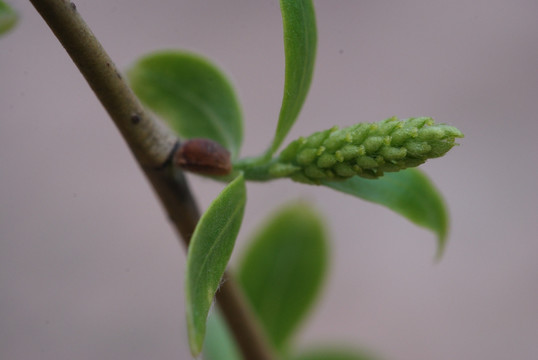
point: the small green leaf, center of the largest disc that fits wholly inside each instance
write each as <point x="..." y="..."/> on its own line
<point x="8" y="17"/>
<point x="334" y="354"/>
<point x="209" y="251"/>
<point x="409" y="193"/>
<point x="300" y="39"/>
<point x="219" y="343"/>
<point x="282" y="270"/>
<point x="191" y="94"/>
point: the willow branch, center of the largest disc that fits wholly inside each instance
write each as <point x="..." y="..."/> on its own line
<point x="152" y="145"/>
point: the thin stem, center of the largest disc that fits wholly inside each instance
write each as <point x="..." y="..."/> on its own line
<point x="254" y="171"/>
<point x="237" y="311"/>
<point x="152" y="145"/>
<point x="150" y="142"/>
<point x="271" y="169"/>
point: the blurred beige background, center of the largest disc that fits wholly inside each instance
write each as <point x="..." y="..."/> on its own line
<point x="90" y="268"/>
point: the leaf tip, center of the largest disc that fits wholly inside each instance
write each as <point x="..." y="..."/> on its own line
<point x="8" y="18"/>
<point x="441" y="246"/>
<point x="195" y="344"/>
<point x="195" y="335"/>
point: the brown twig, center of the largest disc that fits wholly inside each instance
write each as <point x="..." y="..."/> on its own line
<point x="152" y="145"/>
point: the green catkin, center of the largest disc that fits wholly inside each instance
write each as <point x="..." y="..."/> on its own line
<point x="366" y="150"/>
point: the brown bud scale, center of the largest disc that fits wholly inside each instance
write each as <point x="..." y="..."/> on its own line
<point x="203" y="156"/>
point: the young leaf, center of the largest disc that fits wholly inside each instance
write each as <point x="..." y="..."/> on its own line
<point x="300" y="39"/>
<point x="409" y="193"/>
<point x="334" y="354"/>
<point x="8" y="17"/>
<point x="191" y="95"/>
<point x="219" y="343"/>
<point x="282" y="271"/>
<point x="209" y="251"/>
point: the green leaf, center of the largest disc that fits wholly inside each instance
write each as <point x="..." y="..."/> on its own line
<point x="209" y="251"/>
<point x="300" y="39"/>
<point x="191" y="95"/>
<point x="282" y="270"/>
<point x="219" y="344"/>
<point x="409" y="193"/>
<point x="8" y="17"/>
<point x="334" y="354"/>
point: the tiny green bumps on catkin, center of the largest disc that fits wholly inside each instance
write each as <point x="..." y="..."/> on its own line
<point x="366" y="149"/>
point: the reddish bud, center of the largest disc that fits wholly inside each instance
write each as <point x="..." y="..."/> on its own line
<point x="203" y="156"/>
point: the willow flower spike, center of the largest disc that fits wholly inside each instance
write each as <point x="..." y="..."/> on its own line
<point x="366" y="149"/>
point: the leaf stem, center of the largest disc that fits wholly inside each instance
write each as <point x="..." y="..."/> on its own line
<point x="254" y="169"/>
<point x="152" y="145"/>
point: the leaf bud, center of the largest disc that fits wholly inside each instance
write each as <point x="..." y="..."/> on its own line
<point x="203" y="156"/>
